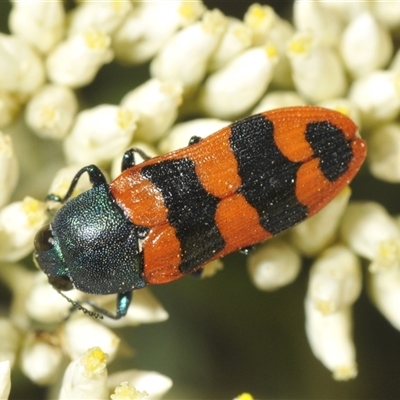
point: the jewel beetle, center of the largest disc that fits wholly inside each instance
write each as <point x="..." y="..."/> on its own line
<point x="168" y="216"/>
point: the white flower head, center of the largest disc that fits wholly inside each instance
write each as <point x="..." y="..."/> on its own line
<point x="19" y="223"/>
<point x="51" y="111"/>
<point x="155" y="385"/>
<point x="86" y="377"/>
<point x="273" y="264"/>
<point x="365" y="45"/>
<point x="235" y="88"/>
<point x="330" y="338"/>
<point x="311" y="63"/>
<point x="106" y="15"/>
<point x="384" y="290"/>
<point x="21" y="68"/>
<point x="317" y="232"/>
<point x="311" y="16"/>
<point x="76" y="61"/>
<point x="150" y="25"/>
<point x="387" y="13"/>
<point x="372" y="233"/>
<point x="384" y="152"/>
<point x="41" y="357"/>
<point x="5" y="379"/>
<point x="236" y="39"/>
<point x="81" y="331"/>
<point x="9" y="170"/>
<point x="377" y="97"/>
<point x="180" y="135"/>
<point x="100" y="134"/>
<point x="39" y="23"/>
<point x="335" y="280"/>
<point x="156" y="104"/>
<point x="186" y="54"/>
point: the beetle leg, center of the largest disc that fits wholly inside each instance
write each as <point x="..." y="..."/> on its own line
<point x="123" y="302"/>
<point x="96" y="177"/>
<point x="128" y="159"/>
<point x="194" y="140"/>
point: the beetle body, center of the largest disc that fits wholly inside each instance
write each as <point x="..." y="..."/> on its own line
<point x="170" y="215"/>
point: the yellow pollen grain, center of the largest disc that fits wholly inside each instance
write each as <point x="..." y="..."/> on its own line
<point x="257" y="15"/>
<point x="96" y="40"/>
<point x="94" y="361"/>
<point x="48" y="116"/>
<point x="127" y="392"/>
<point x="188" y="10"/>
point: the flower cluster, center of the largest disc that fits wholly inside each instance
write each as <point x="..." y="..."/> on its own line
<point x="208" y="69"/>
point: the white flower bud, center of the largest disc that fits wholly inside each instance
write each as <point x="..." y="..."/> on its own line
<point x="387" y="13"/>
<point x="5" y="379"/>
<point x="384" y="152"/>
<point x="51" y="111"/>
<point x="86" y="377"/>
<point x="100" y="134"/>
<point x="311" y="64"/>
<point x="8" y="169"/>
<point x="324" y="25"/>
<point x="41" y="357"/>
<point x="21" y="69"/>
<point x="82" y="332"/>
<point x="106" y="15"/>
<point x="62" y="181"/>
<point x="273" y="264"/>
<point x="186" y="54"/>
<point x="19" y="223"/>
<point x="211" y="268"/>
<point x="235" y="88"/>
<point x="384" y="290"/>
<point x="76" y="61"/>
<point x="347" y="10"/>
<point x="377" y="97"/>
<point x="180" y="135"/>
<point x="150" y="25"/>
<point x="153" y="383"/>
<point x="10" y="341"/>
<point x="372" y="233"/>
<point x="236" y="39"/>
<point x="335" y="280"/>
<point x="317" y="232"/>
<point x="156" y="104"/>
<point x="45" y="304"/>
<point x="365" y="45"/>
<point x="9" y="108"/>
<point x="278" y="99"/>
<point x="117" y="162"/>
<point x="330" y="338"/>
<point x="39" y="23"/>
<point x="261" y="19"/>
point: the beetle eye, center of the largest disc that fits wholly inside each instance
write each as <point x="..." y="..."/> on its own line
<point x="62" y="283"/>
<point x="44" y="239"/>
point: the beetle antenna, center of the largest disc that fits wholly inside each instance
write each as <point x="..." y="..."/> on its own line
<point x="79" y="307"/>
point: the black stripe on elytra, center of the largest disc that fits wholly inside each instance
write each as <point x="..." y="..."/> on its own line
<point x="268" y="177"/>
<point x="331" y="147"/>
<point x="191" y="210"/>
